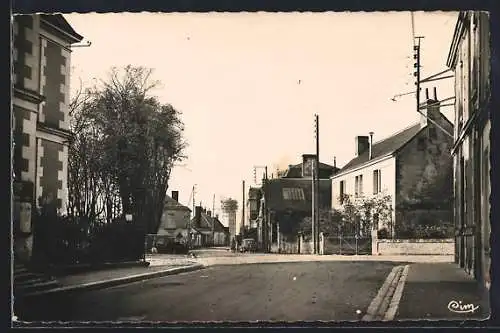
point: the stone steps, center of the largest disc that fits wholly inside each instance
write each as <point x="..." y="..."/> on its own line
<point x="27" y="281"/>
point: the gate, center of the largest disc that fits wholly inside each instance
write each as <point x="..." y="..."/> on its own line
<point x="350" y="239"/>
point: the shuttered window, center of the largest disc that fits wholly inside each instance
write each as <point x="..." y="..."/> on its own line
<point x="377" y="182"/>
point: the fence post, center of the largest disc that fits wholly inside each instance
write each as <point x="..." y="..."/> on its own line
<point x="374" y="242"/>
<point x="321" y="243"/>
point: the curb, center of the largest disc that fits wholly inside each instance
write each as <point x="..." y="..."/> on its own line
<point x="116" y="281"/>
<point x="374" y="306"/>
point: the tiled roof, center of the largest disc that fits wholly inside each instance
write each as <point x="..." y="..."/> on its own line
<point x="295" y="194"/>
<point x="384" y="147"/>
<point x="172" y="204"/>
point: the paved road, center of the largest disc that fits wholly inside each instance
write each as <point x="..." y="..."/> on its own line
<point x="270" y="292"/>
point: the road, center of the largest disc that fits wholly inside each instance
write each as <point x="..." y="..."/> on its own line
<point x="307" y="291"/>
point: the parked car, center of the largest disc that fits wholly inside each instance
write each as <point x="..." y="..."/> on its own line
<point x="248" y="245"/>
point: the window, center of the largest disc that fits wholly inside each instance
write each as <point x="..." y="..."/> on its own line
<point x="293" y="194"/>
<point x="342" y="191"/>
<point x="377" y="182"/>
<point x="358" y="185"/>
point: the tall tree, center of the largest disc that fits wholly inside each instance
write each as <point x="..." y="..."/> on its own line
<point x="135" y="141"/>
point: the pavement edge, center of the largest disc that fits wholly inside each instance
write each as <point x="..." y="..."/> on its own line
<point x="381" y="301"/>
<point x="117" y="281"/>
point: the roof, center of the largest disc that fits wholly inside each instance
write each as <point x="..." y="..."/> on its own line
<point x="58" y="21"/>
<point x="455" y="41"/>
<point x="295" y="171"/>
<point x="206" y="223"/>
<point x="295" y="194"/>
<point x="171" y="204"/>
<point x="383" y="148"/>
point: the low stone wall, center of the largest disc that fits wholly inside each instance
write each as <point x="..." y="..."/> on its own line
<point x="414" y="246"/>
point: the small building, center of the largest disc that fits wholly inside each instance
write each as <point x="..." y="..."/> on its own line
<point x="212" y="231"/>
<point x="286" y="201"/>
<point x="253" y="206"/>
<point x="174" y="222"/>
<point x="469" y="58"/>
<point x="413" y="166"/>
<point x="41" y="96"/>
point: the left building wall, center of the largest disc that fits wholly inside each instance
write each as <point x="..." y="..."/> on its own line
<point x="41" y="75"/>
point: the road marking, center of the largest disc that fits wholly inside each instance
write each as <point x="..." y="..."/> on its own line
<point x="372" y="310"/>
<point x="396" y="298"/>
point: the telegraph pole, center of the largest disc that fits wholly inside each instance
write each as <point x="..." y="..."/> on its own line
<point x="317" y="184"/>
<point x="243" y="210"/>
<point x="416" y="65"/>
<point x="213" y="221"/>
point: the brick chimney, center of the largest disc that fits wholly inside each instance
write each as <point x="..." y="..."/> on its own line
<point x="175" y="195"/>
<point x="197" y="215"/>
<point x="209" y="213"/>
<point x="307" y="163"/>
<point x="362" y="144"/>
<point x="370" y="147"/>
<point x="432" y="111"/>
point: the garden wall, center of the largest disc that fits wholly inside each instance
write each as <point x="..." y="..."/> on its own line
<point x="414" y="246"/>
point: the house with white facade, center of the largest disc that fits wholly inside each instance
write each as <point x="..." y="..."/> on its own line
<point x="413" y="166"/>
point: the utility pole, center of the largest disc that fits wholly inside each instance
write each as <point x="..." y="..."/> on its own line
<point x="416" y="65"/>
<point x="243" y="210"/>
<point x="213" y="221"/>
<point x="317" y="184"/>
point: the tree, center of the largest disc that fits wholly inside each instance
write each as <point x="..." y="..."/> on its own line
<point x="356" y="215"/>
<point x="125" y="145"/>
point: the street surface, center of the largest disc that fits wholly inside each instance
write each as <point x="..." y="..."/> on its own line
<point x="295" y="291"/>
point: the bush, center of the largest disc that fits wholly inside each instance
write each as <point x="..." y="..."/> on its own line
<point x="425" y="232"/>
<point x="383" y="234"/>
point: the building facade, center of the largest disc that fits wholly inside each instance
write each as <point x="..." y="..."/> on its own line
<point x="469" y="58"/>
<point x="174" y="222"/>
<point x="212" y="231"/>
<point x="41" y="58"/>
<point x="287" y="200"/>
<point x="413" y="167"/>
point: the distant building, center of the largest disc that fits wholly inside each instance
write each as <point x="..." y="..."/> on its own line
<point x="211" y="229"/>
<point x="287" y="200"/>
<point x="469" y="58"/>
<point x="41" y="97"/>
<point x="175" y="219"/>
<point x="413" y="166"/>
<point x="229" y="208"/>
<point x="253" y="206"/>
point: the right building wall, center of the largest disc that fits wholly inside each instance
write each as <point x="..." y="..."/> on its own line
<point x="469" y="58"/>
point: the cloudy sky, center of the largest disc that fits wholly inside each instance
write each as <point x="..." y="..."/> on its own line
<point x="248" y="84"/>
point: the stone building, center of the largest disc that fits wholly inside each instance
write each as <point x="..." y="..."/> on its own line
<point x="469" y="58"/>
<point x="413" y="166"/>
<point x="41" y="75"/>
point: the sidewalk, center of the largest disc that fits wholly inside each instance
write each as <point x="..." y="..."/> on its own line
<point x="440" y="291"/>
<point x="116" y="276"/>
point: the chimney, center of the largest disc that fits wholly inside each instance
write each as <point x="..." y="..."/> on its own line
<point x="209" y="213"/>
<point x="334" y="161"/>
<point x="362" y="144"/>
<point x="175" y="195"/>
<point x="197" y="215"/>
<point x="307" y="160"/>
<point x="370" y="145"/>
<point x="432" y="109"/>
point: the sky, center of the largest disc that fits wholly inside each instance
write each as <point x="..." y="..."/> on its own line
<point x="248" y="84"/>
